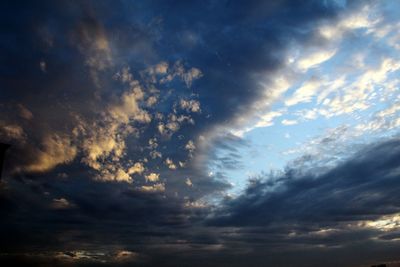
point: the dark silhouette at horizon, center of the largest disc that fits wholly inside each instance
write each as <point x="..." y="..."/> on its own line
<point x="3" y="149"/>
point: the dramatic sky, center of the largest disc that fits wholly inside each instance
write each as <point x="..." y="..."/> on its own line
<point x="200" y="133"/>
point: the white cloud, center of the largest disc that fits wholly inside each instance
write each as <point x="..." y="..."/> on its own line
<point x="128" y="109"/>
<point x="161" y="68"/>
<point x="305" y="93"/>
<point x="384" y="223"/>
<point x="137" y="168"/>
<point x="152" y="177"/>
<point x="314" y="59"/>
<point x="171" y="165"/>
<point x="190" y="146"/>
<point x="188" y="182"/>
<point x="289" y="122"/>
<point x="160" y="187"/>
<point x="366" y="18"/>
<point x="264" y="120"/>
<point x="151" y="101"/>
<point x="104" y="140"/>
<point x="267" y="119"/>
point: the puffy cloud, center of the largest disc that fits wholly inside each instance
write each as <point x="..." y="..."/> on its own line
<point x="160" y="187"/>
<point x="104" y="140"/>
<point x="190" y="105"/>
<point x="122" y="176"/>
<point x="113" y="172"/>
<point x="191" y="75"/>
<point x="152" y="177"/>
<point x="155" y="154"/>
<point x="155" y="71"/>
<point x="188" y="182"/>
<point x="178" y="70"/>
<point x="57" y="149"/>
<point x="171" y="165"/>
<point x="153" y="143"/>
<point x="128" y="109"/>
<point x="173" y="124"/>
<point x="137" y="168"/>
<point x="190" y="146"/>
<point x="151" y="101"/>
<point x="161" y="68"/>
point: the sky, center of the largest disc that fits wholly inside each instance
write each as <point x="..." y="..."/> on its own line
<point x="200" y="133"/>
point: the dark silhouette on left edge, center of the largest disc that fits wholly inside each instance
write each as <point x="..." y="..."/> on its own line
<point x="3" y="148"/>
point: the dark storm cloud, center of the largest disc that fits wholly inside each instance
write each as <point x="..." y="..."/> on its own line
<point x="234" y="44"/>
<point x="61" y="57"/>
<point x="296" y="203"/>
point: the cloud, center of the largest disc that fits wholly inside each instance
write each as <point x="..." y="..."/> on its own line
<point x="24" y="112"/>
<point x="60" y="203"/>
<point x="171" y="165"/>
<point x="126" y="256"/>
<point x="136" y="168"/>
<point x="128" y="109"/>
<point x="353" y="192"/>
<point x="289" y="122"/>
<point x="152" y="177"/>
<point x="190" y="106"/>
<point x="267" y="119"/>
<point x="91" y="39"/>
<point x="190" y="146"/>
<point x="314" y="59"/>
<point x="151" y="101"/>
<point x="57" y="149"/>
<point x="12" y="132"/>
<point x="305" y="93"/>
<point x="187" y="75"/>
<point x="159" y="187"/>
<point x="188" y="182"/>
